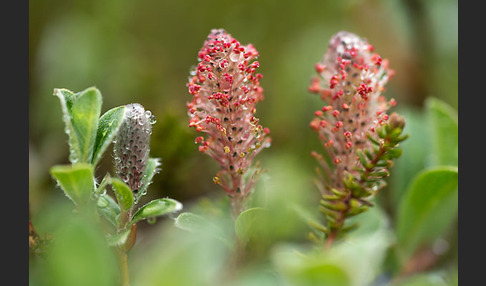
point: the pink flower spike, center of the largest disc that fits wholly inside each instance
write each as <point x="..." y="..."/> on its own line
<point x="353" y="125"/>
<point x="226" y="101"/>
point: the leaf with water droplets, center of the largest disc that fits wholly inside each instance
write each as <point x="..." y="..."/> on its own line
<point x="156" y="208"/>
<point x="76" y="181"/>
<point x="109" y="209"/>
<point x="150" y="170"/>
<point x="81" y="112"/>
<point x="66" y="98"/>
<point x="123" y="193"/>
<point x="119" y="238"/>
<point x="86" y="111"/>
<point x="108" y="126"/>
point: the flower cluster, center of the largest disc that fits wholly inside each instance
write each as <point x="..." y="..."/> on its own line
<point x="225" y="89"/>
<point x="358" y="135"/>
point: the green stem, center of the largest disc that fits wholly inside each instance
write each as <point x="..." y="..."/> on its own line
<point x="123" y="265"/>
<point x="122" y="251"/>
<point x="237" y="205"/>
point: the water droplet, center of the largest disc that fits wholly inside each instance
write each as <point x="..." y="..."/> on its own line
<point x="73" y="158"/>
<point x="102" y="203"/>
<point x="104" y="192"/>
<point x="234" y="57"/>
<point x="150" y="117"/>
<point x="151" y="220"/>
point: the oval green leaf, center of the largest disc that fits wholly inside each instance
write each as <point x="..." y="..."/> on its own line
<point x="108" y="126"/>
<point x="123" y="193"/>
<point x="76" y="181"/>
<point x="191" y="222"/>
<point x="150" y="170"/>
<point x="247" y="223"/>
<point x="85" y="114"/>
<point x="119" y="238"/>
<point x="156" y="208"/>
<point x="428" y="208"/>
<point x="199" y="225"/>
<point x="66" y="98"/>
<point x="109" y="209"/>
<point x="81" y="112"/>
<point x="444" y="130"/>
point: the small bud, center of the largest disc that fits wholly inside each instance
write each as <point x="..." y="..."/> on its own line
<point x="396" y="121"/>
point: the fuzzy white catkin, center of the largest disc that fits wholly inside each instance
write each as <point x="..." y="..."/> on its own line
<point x="132" y="145"/>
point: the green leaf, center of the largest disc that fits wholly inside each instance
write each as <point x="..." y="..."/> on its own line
<point x="191" y="222"/>
<point x="109" y="209"/>
<point x="123" y="193"/>
<point x="247" y="223"/>
<point x="298" y="268"/>
<point x="75" y="180"/>
<point x="444" y="130"/>
<point x="156" y="208"/>
<point x="80" y="255"/>
<point x="119" y="238"/>
<point x="416" y="150"/>
<point x="85" y="116"/>
<point x="102" y="186"/>
<point x="323" y="273"/>
<point x="199" y="225"/>
<point x="428" y="208"/>
<point x="108" y="126"/>
<point x="150" y="170"/>
<point x="66" y="98"/>
<point x="81" y="112"/>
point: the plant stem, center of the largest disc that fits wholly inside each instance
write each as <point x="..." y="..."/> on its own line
<point x="330" y="239"/>
<point x="123" y="265"/>
<point x="122" y="251"/>
<point x="237" y="205"/>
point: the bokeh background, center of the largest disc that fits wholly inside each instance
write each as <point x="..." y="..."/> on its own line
<point x="142" y="51"/>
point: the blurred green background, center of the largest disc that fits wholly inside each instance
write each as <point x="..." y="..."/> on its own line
<point x="142" y="51"/>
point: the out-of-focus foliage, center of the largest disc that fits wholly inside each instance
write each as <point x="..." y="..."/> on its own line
<point x="142" y="51"/>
